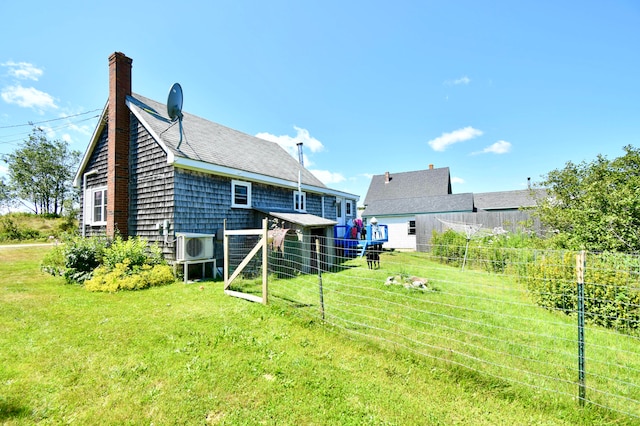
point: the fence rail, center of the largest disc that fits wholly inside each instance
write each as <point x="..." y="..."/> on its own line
<point x="509" y="325"/>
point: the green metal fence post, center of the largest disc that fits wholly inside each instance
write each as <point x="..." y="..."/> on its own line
<point x="580" y="267"/>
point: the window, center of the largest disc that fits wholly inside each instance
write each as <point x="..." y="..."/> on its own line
<point x="299" y="201"/>
<point x="338" y="209"/>
<point x="411" y="227"/>
<point x="96" y="206"/>
<point x="240" y="194"/>
<point x="347" y="207"/>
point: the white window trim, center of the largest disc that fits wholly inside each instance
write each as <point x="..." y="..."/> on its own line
<point x="90" y="207"/>
<point x="348" y="208"/>
<point x="303" y="199"/>
<point x="235" y="183"/>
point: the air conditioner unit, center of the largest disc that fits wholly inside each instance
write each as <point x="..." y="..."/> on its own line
<point x="193" y="246"/>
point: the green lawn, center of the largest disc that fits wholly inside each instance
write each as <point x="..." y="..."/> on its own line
<point x="188" y="354"/>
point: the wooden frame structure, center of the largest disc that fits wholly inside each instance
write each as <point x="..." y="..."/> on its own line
<point x="261" y="244"/>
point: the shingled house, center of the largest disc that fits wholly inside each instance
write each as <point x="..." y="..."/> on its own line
<point x="142" y="176"/>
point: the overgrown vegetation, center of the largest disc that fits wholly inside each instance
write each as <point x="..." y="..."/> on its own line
<point x="612" y="280"/>
<point x="29" y="227"/>
<point x="102" y="264"/>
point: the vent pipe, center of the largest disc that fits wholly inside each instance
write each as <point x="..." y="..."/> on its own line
<point x="300" y="156"/>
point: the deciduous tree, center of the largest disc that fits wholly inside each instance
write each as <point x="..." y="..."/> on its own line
<point x="595" y="205"/>
<point x="40" y="172"/>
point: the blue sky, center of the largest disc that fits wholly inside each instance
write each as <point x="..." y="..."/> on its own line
<point x="498" y="91"/>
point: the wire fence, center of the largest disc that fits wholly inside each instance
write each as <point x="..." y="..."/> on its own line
<point x="510" y="318"/>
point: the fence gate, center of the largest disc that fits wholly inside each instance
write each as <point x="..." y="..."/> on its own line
<point x="246" y="259"/>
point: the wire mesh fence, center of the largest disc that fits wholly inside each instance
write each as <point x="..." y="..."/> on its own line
<point x="510" y="316"/>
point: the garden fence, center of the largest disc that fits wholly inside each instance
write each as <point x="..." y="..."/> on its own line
<point x="512" y="318"/>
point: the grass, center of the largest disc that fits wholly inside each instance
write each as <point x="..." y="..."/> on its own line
<point x="188" y="354"/>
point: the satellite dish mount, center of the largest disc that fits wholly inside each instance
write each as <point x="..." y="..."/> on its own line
<point x="174" y="107"/>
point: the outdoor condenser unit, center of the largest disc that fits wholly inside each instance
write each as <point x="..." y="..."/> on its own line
<point x="193" y="246"/>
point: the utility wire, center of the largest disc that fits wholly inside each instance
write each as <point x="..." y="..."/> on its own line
<point x="31" y="124"/>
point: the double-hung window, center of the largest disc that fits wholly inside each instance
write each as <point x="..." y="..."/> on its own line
<point x="348" y="207"/>
<point x="299" y="201"/>
<point x="96" y="206"/>
<point x="240" y="194"/>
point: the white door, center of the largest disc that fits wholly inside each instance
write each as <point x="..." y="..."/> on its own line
<point x="340" y="216"/>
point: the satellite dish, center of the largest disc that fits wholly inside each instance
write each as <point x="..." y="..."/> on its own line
<point x="174" y="106"/>
<point x="174" y="102"/>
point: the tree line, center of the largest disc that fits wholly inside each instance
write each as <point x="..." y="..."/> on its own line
<point x="591" y="205"/>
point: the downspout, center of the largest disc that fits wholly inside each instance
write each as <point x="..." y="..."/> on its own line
<point x="84" y="200"/>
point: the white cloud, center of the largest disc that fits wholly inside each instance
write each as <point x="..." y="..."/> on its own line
<point x="457" y="180"/>
<point x="462" y="80"/>
<point x="500" y="147"/>
<point x="28" y="97"/>
<point x="85" y="130"/>
<point x="289" y="143"/>
<point x="3" y="170"/>
<point x="441" y="143"/>
<point x="23" y="70"/>
<point x="328" y="177"/>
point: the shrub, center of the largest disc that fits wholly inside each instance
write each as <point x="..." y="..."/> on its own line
<point x="81" y="257"/>
<point x="10" y="230"/>
<point x="53" y="262"/>
<point x="611" y="287"/>
<point x="135" y="252"/>
<point x="123" y="277"/>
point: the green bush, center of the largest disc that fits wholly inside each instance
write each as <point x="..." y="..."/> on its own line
<point x="448" y="247"/>
<point x="11" y="231"/>
<point x="123" y="277"/>
<point x="135" y="251"/>
<point x="115" y="264"/>
<point x="611" y="286"/>
<point x="81" y="257"/>
<point x="612" y="280"/>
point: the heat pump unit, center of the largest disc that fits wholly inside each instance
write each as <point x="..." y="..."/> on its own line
<point x="192" y="246"/>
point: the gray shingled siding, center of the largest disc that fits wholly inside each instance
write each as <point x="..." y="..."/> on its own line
<point x="511" y="221"/>
<point x="97" y="161"/>
<point x="151" y="198"/>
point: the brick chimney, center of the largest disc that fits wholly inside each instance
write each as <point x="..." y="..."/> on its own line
<point x="118" y="145"/>
<point x="430" y="166"/>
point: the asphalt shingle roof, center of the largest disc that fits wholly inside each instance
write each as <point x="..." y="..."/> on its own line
<point x="507" y="200"/>
<point x="416" y="184"/>
<point x="213" y="143"/>
<point x="417" y="205"/>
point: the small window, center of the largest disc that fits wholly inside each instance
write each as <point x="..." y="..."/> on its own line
<point x="241" y="194"/>
<point x="299" y="201"/>
<point x="347" y="208"/>
<point x="411" y="227"/>
<point x="96" y="206"/>
<point x="338" y="209"/>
